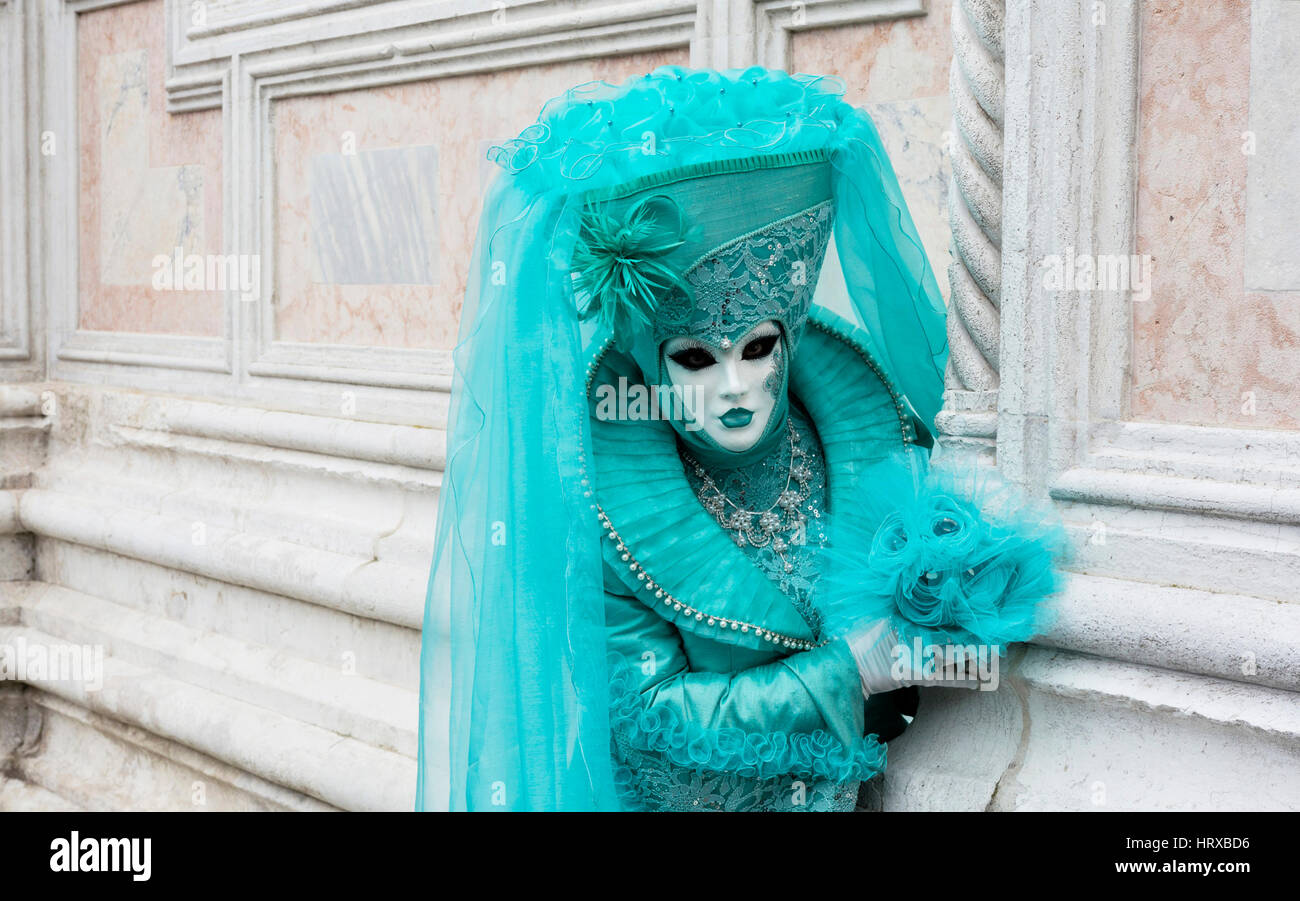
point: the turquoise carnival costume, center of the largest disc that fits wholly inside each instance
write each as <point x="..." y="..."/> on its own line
<point x="630" y="613"/>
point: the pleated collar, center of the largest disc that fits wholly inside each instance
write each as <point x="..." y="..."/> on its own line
<point x="666" y="547"/>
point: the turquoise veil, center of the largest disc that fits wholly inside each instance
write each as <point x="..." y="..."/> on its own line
<point x="514" y="688"/>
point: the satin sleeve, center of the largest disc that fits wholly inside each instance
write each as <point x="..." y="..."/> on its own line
<point x="807" y="692"/>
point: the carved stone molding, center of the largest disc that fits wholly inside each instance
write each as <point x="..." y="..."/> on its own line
<point x="344" y="44"/>
<point x="16" y="313"/>
<point x="357" y="42"/>
<point x="977" y="88"/>
<point x="1071" y="156"/>
<point x="735" y="33"/>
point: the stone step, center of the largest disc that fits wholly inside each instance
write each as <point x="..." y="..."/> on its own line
<point x="1107" y="735"/>
<point x="343" y="486"/>
<point x="1069" y="731"/>
<point x="377" y="650"/>
<point x="1236" y="637"/>
<point x="93" y="762"/>
<point x="313" y="510"/>
<point x="330" y="697"/>
<point x="337" y="769"/>
<point x="17" y="795"/>
<point x="1187" y="550"/>
<point x="350" y="583"/>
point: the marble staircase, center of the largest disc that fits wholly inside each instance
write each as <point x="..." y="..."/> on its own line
<point x="252" y="583"/>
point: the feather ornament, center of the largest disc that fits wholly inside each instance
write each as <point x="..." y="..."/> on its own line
<point x="619" y="264"/>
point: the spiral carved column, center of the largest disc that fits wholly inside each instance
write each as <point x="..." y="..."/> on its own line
<point x="977" y="86"/>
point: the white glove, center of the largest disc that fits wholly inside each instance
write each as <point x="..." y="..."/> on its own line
<point x="872" y="644"/>
<point x="885" y="665"/>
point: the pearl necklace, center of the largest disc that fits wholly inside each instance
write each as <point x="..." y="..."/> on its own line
<point x="761" y="528"/>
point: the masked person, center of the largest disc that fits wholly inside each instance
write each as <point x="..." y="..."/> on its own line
<point x="653" y="414"/>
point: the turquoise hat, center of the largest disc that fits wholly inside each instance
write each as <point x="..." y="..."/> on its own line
<point x="707" y="250"/>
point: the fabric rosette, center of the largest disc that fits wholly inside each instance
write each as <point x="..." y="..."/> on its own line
<point x="950" y="558"/>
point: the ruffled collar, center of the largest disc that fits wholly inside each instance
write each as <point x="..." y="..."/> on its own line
<point x="663" y="544"/>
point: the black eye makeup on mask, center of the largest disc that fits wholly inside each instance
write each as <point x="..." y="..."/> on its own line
<point x="759" y="347"/>
<point x="693" y="357"/>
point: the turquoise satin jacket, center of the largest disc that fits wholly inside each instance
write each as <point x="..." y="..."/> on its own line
<point x="723" y="697"/>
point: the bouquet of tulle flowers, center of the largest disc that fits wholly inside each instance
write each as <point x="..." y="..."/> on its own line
<point x="949" y="558"/>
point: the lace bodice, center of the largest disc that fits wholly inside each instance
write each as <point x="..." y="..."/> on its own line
<point x="756" y="487"/>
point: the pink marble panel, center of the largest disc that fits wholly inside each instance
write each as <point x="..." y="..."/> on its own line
<point x="460" y="117"/>
<point x="898" y="71"/>
<point x="1205" y="350"/>
<point x="898" y="59"/>
<point x="150" y="180"/>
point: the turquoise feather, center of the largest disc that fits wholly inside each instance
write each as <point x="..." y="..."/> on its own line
<point x="618" y="264"/>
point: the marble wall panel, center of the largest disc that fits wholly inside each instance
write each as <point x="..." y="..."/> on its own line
<point x="898" y="72"/>
<point x="1207" y="350"/>
<point x="150" y="182"/>
<point x="374" y="218"/>
<point x="440" y="130"/>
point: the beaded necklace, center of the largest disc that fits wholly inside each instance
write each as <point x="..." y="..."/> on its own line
<point x="778" y="524"/>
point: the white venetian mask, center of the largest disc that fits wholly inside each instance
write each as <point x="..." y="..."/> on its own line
<point x="729" y="393"/>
